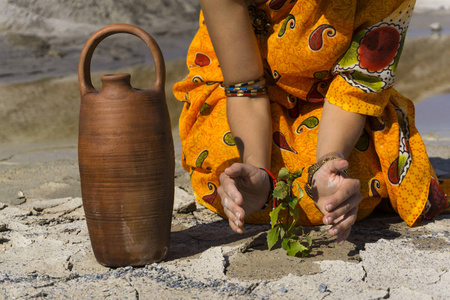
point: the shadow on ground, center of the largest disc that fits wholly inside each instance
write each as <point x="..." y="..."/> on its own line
<point x="247" y="258"/>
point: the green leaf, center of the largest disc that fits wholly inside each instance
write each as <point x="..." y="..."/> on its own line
<point x="309" y="240"/>
<point x="292" y="201"/>
<point x="292" y="229"/>
<point x="272" y="237"/>
<point x="274" y="215"/>
<point x="295" y="247"/>
<point x="283" y="174"/>
<point x="282" y="232"/>
<point x="296" y="214"/>
<point x="296" y="175"/>
<point x="301" y="193"/>
<point x="281" y="190"/>
<point x="285" y="244"/>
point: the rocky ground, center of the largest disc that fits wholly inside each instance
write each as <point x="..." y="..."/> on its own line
<point x="45" y="250"/>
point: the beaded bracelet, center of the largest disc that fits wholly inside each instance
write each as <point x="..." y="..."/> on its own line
<point x="248" y="94"/>
<point x="248" y="89"/>
<point x="273" y="182"/>
<point x="314" y="168"/>
<point x="237" y="85"/>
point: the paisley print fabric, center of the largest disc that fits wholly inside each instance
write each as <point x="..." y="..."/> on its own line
<point x="344" y="51"/>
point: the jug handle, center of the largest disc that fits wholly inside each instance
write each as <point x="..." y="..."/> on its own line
<point x="84" y="64"/>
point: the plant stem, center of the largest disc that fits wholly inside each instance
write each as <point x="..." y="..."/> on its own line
<point x="288" y="207"/>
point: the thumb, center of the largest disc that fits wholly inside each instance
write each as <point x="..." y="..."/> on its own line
<point x="240" y="170"/>
<point x="337" y="165"/>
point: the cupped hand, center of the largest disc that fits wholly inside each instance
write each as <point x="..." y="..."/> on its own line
<point x="337" y="197"/>
<point x="244" y="189"/>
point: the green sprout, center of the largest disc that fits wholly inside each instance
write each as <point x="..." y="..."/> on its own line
<point x="284" y="217"/>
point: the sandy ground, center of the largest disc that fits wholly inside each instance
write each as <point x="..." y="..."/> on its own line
<point x="45" y="250"/>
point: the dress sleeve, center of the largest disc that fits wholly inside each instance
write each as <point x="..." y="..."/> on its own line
<point x="365" y="73"/>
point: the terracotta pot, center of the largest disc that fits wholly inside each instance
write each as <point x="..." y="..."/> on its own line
<point x="126" y="160"/>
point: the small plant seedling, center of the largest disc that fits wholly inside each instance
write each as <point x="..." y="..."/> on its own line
<point x="286" y="214"/>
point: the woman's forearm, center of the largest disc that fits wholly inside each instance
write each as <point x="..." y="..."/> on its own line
<point x="235" y="45"/>
<point x="339" y="130"/>
<point x="231" y="33"/>
<point x="250" y="124"/>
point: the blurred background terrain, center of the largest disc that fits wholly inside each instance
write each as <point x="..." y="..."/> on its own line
<point x="41" y="42"/>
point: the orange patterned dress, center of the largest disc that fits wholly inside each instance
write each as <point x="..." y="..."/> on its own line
<point x="344" y="51"/>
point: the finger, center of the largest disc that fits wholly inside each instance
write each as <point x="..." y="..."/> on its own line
<point x="342" y="209"/>
<point x="349" y="187"/>
<point x="229" y="189"/>
<point x="235" y="228"/>
<point x="343" y="236"/>
<point x="343" y="227"/>
<point x="241" y="170"/>
<point x="233" y="170"/>
<point x="235" y="224"/>
<point x="237" y="213"/>
<point x="231" y="209"/>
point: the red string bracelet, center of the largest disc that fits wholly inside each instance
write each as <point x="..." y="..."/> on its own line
<point x="273" y="182"/>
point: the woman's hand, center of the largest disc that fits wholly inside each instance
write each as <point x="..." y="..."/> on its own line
<point x="337" y="197"/>
<point x="244" y="189"/>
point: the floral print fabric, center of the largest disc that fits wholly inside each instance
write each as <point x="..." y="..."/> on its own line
<point x="344" y="51"/>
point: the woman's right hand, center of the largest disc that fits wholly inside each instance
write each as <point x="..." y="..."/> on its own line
<point x="337" y="197"/>
<point x="244" y="189"/>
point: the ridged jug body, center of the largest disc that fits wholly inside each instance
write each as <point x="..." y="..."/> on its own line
<point x="126" y="162"/>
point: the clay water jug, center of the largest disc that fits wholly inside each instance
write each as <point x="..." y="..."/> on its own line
<point x="126" y="160"/>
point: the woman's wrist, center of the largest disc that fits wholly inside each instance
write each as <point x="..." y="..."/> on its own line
<point x="309" y="186"/>
<point x="334" y="154"/>
<point x="272" y="183"/>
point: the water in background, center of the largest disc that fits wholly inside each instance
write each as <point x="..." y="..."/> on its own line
<point x="416" y="32"/>
<point x="432" y="119"/>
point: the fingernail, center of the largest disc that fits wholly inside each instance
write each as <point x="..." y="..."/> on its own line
<point x="334" y="231"/>
<point x="238" y="215"/>
<point x="329" y="207"/>
<point x="237" y="223"/>
<point x="328" y="220"/>
<point x="225" y="202"/>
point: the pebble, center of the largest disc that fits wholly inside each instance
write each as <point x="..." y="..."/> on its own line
<point x="20" y="195"/>
<point x="3" y="227"/>
<point x="283" y="290"/>
<point x="322" y="287"/>
<point x="187" y="208"/>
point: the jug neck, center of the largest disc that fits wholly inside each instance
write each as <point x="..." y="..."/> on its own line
<point x="116" y="82"/>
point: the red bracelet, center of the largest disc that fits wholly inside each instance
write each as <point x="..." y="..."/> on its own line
<point x="273" y="182"/>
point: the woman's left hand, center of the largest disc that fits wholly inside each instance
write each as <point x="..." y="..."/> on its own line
<point x="337" y="197"/>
